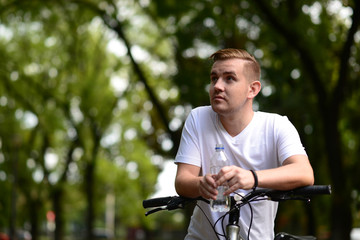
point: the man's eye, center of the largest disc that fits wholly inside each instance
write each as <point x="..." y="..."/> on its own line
<point x="213" y="79"/>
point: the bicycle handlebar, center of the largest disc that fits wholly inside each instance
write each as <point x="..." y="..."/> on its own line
<point x="293" y="194"/>
<point x="157" y="202"/>
<point x="302" y="193"/>
<point x="169" y="203"/>
<point x="306" y="191"/>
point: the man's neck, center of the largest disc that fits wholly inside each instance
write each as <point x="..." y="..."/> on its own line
<point x="234" y="124"/>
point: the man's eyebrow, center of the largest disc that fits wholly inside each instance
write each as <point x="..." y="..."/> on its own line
<point x="229" y="73"/>
<point x="225" y="73"/>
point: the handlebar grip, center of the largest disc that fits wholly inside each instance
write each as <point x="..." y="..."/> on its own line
<point x="298" y="193"/>
<point x="313" y="190"/>
<point x="156" y="202"/>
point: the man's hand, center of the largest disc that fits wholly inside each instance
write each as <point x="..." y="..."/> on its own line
<point x="207" y="187"/>
<point x="235" y="178"/>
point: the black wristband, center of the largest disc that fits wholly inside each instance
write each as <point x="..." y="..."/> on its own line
<point x="255" y="179"/>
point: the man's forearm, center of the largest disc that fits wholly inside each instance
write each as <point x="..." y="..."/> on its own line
<point x="287" y="177"/>
<point x="187" y="186"/>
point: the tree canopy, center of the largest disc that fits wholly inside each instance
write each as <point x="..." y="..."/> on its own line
<point x="93" y="95"/>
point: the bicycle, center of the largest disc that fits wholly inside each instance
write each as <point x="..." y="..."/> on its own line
<point x="238" y="201"/>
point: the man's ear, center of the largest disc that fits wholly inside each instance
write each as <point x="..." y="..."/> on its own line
<point x="254" y="89"/>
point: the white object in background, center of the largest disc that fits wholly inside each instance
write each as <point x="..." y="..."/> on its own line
<point x="355" y="234"/>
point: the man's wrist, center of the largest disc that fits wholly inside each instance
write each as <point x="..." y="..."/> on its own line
<point x="256" y="181"/>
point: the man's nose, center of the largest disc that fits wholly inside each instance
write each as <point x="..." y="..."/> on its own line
<point x="219" y="84"/>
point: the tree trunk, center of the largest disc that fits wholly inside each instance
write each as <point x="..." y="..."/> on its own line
<point x="13" y="213"/>
<point x="58" y="209"/>
<point x="89" y="186"/>
<point x="341" y="219"/>
<point x="34" y="219"/>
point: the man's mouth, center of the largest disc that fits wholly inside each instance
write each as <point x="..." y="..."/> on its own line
<point x="218" y="97"/>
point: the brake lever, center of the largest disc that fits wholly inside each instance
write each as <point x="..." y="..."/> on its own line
<point x="155" y="210"/>
<point x="175" y="203"/>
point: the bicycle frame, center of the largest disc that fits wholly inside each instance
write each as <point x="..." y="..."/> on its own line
<point x="233" y="228"/>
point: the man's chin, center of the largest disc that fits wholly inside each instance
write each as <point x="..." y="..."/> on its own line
<point x="218" y="109"/>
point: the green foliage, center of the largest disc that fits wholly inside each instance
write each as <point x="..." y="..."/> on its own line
<point x="103" y="88"/>
<point x="58" y="102"/>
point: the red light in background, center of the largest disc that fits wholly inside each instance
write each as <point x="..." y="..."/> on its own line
<point x="50" y="215"/>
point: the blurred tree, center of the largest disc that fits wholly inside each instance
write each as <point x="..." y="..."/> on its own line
<point x="59" y="84"/>
<point x="309" y="52"/>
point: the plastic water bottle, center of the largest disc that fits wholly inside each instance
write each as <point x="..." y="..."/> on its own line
<point x="218" y="161"/>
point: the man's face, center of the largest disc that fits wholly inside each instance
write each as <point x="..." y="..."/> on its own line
<point x="229" y="90"/>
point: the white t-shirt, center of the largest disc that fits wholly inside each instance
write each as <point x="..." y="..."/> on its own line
<point x="265" y="143"/>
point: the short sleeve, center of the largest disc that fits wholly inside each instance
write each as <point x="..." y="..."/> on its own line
<point x="189" y="151"/>
<point x="288" y="140"/>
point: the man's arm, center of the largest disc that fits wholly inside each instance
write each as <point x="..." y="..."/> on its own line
<point x="188" y="183"/>
<point x="296" y="171"/>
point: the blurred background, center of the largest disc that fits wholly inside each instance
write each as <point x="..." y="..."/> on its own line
<point x="93" y="96"/>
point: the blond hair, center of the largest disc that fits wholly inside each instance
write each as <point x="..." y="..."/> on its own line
<point x="252" y="67"/>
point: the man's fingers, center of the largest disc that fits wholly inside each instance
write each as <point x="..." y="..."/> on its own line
<point x="224" y="177"/>
<point x="208" y="187"/>
<point x="231" y="189"/>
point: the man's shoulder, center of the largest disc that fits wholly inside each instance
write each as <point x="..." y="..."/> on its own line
<point x="268" y="115"/>
<point x="203" y="115"/>
<point x="202" y="110"/>
<point x="271" y="118"/>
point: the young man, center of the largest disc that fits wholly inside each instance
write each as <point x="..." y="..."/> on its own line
<point x="266" y="143"/>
